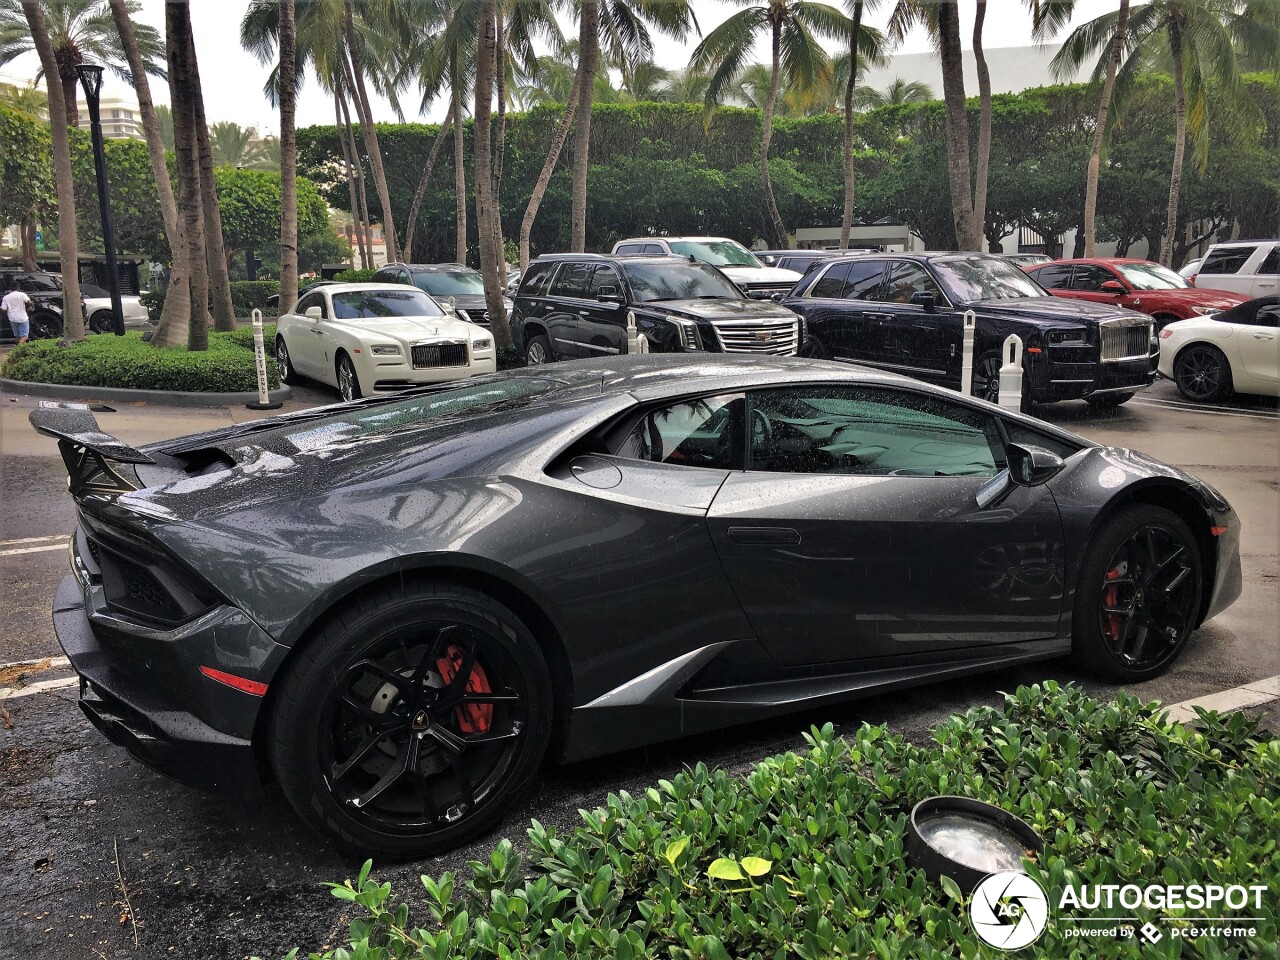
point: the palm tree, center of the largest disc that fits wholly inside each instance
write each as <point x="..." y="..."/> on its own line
<point x="68" y="242"/>
<point x="551" y="78"/>
<point x="29" y="99"/>
<point x="237" y="146"/>
<point x="644" y="80"/>
<point x="791" y="26"/>
<point x="288" y="154"/>
<point x="80" y="31"/>
<point x="183" y="91"/>
<point x="1200" y="40"/>
<point x="897" y="93"/>
<point x="686" y="86"/>
<point x="486" y="202"/>
<point x="865" y="46"/>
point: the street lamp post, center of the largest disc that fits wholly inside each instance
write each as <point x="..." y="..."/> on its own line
<point x="91" y="80"/>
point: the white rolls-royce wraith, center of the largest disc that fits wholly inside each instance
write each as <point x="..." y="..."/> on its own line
<point x="367" y="338"/>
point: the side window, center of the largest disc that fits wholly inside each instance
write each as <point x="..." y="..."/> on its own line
<point x="310" y="300"/>
<point x="1017" y="433"/>
<point x="1053" y="278"/>
<point x="652" y="248"/>
<point x="572" y="281"/>
<point x="831" y="284"/>
<point x="386" y="276"/>
<point x="605" y="276"/>
<point x="1090" y="278"/>
<point x="863" y="431"/>
<point x="1272" y="263"/>
<point x="1268" y="316"/>
<point x="706" y="432"/>
<point x="1226" y="259"/>
<point x="535" y="279"/>
<point x="629" y="248"/>
<point x="906" y="280"/>
<point x="864" y="280"/>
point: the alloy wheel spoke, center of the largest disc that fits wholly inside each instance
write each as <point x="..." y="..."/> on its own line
<point x="407" y="762"/>
<point x="340" y="770"/>
<point x="379" y="721"/>
<point x="452" y="743"/>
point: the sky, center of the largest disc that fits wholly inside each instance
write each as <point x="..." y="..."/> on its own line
<point x="233" y="79"/>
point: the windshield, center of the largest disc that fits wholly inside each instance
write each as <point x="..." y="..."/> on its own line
<point x="435" y="405"/>
<point x="718" y="253"/>
<point x="460" y="282"/>
<point x="379" y="304"/>
<point x="678" y="281"/>
<point x="1151" y="276"/>
<point x="968" y="279"/>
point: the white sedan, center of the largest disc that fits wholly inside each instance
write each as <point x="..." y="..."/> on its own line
<point x="97" y="308"/>
<point x="1235" y="351"/>
<point x="367" y="338"/>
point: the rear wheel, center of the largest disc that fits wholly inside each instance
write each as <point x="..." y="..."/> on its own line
<point x="1138" y="595"/>
<point x="348" y="380"/>
<point x="45" y="326"/>
<point x="412" y="720"/>
<point x="537" y="351"/>
<point x="986" y="381"/>
<point x="1202" y="373"/>
<point x="102" y="322"/>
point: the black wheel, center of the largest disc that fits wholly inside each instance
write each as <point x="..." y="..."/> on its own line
<point x="538" y="350"/>
<point x="284" y="363"/>
<point x="815" y="349"/>
<point x="45" y="326"/>
<point x="1138" y="595"/>
<point x="348" y="380"/>
<point x="411" y="721"/>
<point x="986" y="381"/>
<point x="1108" y="401"/>
<point x="1202" y="373"/>
<point x="102" y="322"/>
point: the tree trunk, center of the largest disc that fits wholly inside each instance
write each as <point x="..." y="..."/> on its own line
<point x="361" y="209"/>
<point x="459" y="179"/>
<point x="774" y="226"/>
<point x="64" y="182"/>
<point x="968" y="235"/>
<point x="1100" y="133"/>
<point x="984" y="124"/>
<point x="588" y="63"/>
<point x="486" y="203"/>
<point x="351" y="178"/>
<point x="500" y="88"/>
<point x="370" y="135"/>
<point x="224" y="311"/>
<point x="436" y="145"/>
<point x="544" y="177"/>
<point x="288" y="157"/>
<point x="27" y="233"/>
<point x="67" y="57"/>
<point x="1179" y="143"/>
<point x="846" y="220"/>
<point x="190" y="204"/>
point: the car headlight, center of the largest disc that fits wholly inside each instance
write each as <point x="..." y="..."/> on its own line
<point x="384" y="350"/>
<point x="1207" y="311"/>
<point x="463" y="315"/>
<point x="481" y="344"/>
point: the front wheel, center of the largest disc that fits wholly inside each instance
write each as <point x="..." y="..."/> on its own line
<point x="1202" y="373"/>
<point x="413" y="719"/>
<point x="102" y="322"/>
<point x="815" y="349"/>
<point x="284" y="363"/>
<point x="1138" y="595"/>
<point x="1108" y="401"/>
<point x="348" y="380"/>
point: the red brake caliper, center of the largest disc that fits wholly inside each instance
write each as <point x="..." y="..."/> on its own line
<point x="471" y="717"/>
<point x="1110" y="597"/>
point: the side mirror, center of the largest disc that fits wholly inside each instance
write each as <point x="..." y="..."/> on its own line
<point x="609" y="294"/>
<point x="922" y="298"/>
<point x="1112" y="286"/>
<point x="777" y="297"/>
<point x="1030" y="466"/>
<point x="313" y="313"/>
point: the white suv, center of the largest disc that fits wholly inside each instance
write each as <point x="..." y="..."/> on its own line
<point x="1250" y="267"/>
<point x="757" y="280"/>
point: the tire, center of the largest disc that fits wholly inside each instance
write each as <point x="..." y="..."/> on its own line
<point x="815" y="349"/>
<point x="986" y="380"/>
<point x="45" y="326"/>
<point x="1108" y="401"/>
<point x="1138" y="595"/>
<point x="102" y="322"/>
<point x="403" y="770"/>
<point x="348" y="379"/>
<point x="538" y="351"/>
<point x="284" y="363"/>
<point x="1202" y="373"/>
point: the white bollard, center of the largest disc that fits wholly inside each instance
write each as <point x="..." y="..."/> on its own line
<point x="966" y="353"/>
<point x="1011" y="373"/>
<point x="260" y="357"/>
<point x="637" y="342"/>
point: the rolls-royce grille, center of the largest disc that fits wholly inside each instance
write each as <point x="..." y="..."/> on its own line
<point x="780" y="337"/>
<point x="1125" y="343"/>
<point x="426" y="355"/>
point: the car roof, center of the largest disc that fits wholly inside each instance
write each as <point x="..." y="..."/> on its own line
<point x="671" y="239"/>
<point x="336" y="287"/>
<point x="432" y="267"/>
<point x="616" y="257"/>
<point x="1101" y="261"/>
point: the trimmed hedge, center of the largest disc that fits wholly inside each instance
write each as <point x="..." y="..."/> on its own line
<point x="130" y="363"/>
<point x="803" y="857"/>
<point x="249" y="295"/>
<point x="355" y="276"/>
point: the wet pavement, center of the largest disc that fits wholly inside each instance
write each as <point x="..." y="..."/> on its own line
<point x="83" y="828"/>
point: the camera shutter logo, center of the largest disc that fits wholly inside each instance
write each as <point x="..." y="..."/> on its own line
<point x="1009" y="910"/>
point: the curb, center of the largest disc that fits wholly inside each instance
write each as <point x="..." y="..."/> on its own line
<point x="119" y="395"/>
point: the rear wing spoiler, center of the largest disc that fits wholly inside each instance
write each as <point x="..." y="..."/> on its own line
<point x="87" y="452"/>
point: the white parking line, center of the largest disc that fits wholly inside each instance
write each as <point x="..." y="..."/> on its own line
<point x="44" y="549"/>
<point x="1236" y="698"/>
<point x="49" y="539"/>
<point x="1199" y="408"/>
<point x="44" y="686"/>
<point x="48" y="663"/>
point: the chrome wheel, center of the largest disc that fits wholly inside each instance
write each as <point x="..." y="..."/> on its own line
<point x="986" y="378"/>
<point x="283" y="367"/>
<point x="537" y="352"/>
<point x="348" y="382"/>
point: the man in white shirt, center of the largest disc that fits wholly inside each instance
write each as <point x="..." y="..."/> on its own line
<point x="15" y="304"/>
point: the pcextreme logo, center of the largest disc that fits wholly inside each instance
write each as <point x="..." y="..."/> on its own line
<point x="1011" y="910"/>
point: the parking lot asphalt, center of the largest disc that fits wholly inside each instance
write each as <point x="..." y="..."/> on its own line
<point x="82" y="825"/>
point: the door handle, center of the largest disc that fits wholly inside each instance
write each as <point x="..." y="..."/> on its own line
<point x="773" y="535"/>
<point x="1263" y="336"/>
<point x="582" y="313"/>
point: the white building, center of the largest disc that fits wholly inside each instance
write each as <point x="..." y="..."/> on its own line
<point x="121" y="118"/>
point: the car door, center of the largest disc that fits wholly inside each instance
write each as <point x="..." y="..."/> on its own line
<point x="854" y="533"/>
<point x="918" y="342"/>
<point x="1226" y="268"/>
<point x="302" y="337"/>
<point x="1266" y="281"/>
<point x="602" y="321"/>
<point x="1258" y="346"/>
<point x="1054" y="277"/>
<point x="1087" y="280"/>
<point x="564" y="307"/>
<point x="836" y="306"/>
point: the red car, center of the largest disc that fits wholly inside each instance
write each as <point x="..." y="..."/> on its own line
<point x="1137" y="284"/>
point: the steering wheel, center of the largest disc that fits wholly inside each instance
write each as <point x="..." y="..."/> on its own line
<point x="761" y="429"/>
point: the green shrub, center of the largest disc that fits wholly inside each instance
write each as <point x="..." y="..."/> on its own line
<point x="510" y="358"/>
<point x="248" y="295"/>
<point x="1119" y="795"/>
<point x="355" y="276"/>
<point x="130" y="363"/>
<point x="153" y="300"/>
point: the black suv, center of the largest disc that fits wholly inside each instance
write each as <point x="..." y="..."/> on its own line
<point x="905" y="312"/>
<point x="45" y="291"/>
<point x="576" y="305"/>
<point x="446" y="282"/>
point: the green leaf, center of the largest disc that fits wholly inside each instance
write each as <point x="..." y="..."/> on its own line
<point x="675" y="848"/>
<point x="756" y="866"/>
<point x="952" y="889"/>
<point x="724" y="868"/>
